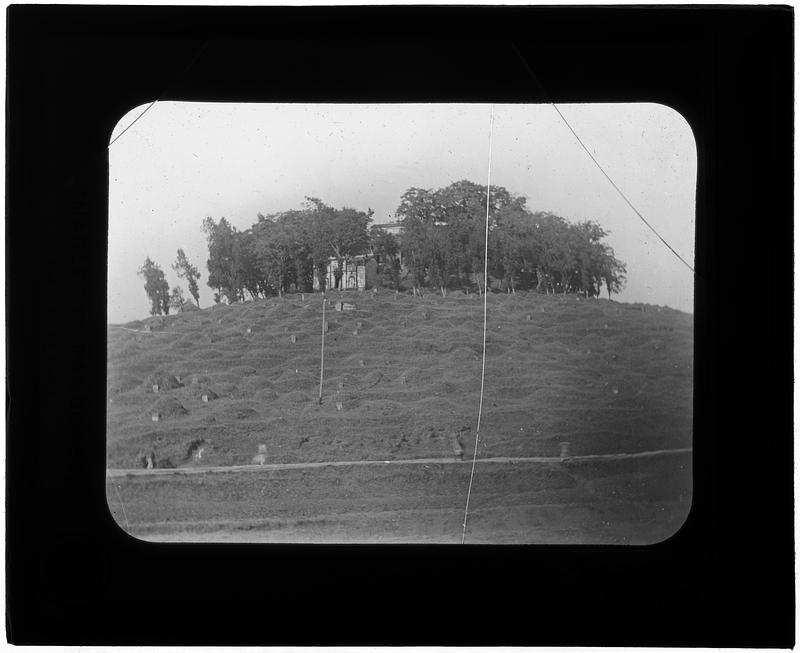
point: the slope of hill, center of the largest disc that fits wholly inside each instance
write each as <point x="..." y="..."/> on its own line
<point x="235" y="384"/>
<point x="607" y="377"/>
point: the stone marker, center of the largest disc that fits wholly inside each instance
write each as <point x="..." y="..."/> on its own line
<point x="355" y="332"/>
<point x="361" y="363"/>
<point x="205" y="399"/>
<point x="293" y="338"/>
<point x="338" y="405"/>
<point x="154" y="417"/>
<point x="155" y="387"/>
<point x="249" y="330"/>
<point x="528" y="317"/>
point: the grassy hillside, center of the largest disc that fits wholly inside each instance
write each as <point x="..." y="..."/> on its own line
<point x="604" y="376"/>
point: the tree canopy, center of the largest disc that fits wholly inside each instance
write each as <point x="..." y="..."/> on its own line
<point x="188" y="273"/>
<point x="441" y="246"/>
<point x="282" y="250"/>
<point x="444" y="238"/>
<point x="156" y="287"/>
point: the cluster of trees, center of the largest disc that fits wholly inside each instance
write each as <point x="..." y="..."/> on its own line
<point x="282" y="251"/>
<point x="444" y="236"/>
<point x="157" y="288"/>
<point x="441" y="246"/>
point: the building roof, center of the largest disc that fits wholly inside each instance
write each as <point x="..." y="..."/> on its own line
<point x="390" y="226"/>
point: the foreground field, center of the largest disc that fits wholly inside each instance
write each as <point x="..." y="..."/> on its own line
<point x="402" y="379"/>
<point x="639" y="500"/>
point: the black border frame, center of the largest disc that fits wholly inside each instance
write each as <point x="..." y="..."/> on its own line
<point x="725" y="579"/>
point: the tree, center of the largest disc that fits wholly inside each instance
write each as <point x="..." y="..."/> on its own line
<point x="189" y="273"/>
<point x="445" y="230"/>
<point x="513" y="244"/>
<point x="247" y="274"/>
<point x="591" y="254"/>
<point x="463" y="207"/>
<point x="328" y="232"/>
<point x="156" y="287"/>
<point x="612" y="272"/>
<point x="386" y="249"/>
<point x="176" y="298"/>
<point x="221" y="272"/>
<point x="283" y="251"/>
<point x="417" y="208"/>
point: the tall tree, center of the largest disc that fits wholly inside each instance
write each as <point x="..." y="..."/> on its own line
<point x="189" y="273"/>
<point x="386" y="249"/>
<point x="156" y="287"/>
<point x="418" y="211"/>
<point x="612" y="272"/>
<point x="221" y="265"/>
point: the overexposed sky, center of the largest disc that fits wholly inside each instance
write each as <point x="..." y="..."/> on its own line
<point x="183" y="161"/>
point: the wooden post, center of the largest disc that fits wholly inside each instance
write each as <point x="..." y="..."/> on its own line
<point x="322" y="352"/>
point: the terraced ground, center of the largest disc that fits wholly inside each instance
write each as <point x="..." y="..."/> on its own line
<point x="402" y="380"/>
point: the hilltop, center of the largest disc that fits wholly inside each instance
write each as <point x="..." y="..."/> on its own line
<point x="401" y="380"/>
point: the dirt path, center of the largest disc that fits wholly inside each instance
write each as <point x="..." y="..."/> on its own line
<point x="113" y="473"/>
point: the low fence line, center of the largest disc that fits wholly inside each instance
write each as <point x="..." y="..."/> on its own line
<point x="114" y="326"/>
<point x="176" y="471"/>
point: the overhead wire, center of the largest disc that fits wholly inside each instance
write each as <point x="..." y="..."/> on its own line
<point x="485" y="295"/>
<point x="617" y="188"/>
<point x="163" y="93"/>
<point x="595" y="161"/>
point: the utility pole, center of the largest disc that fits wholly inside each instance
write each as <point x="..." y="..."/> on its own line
<point x="322" y="353"/>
